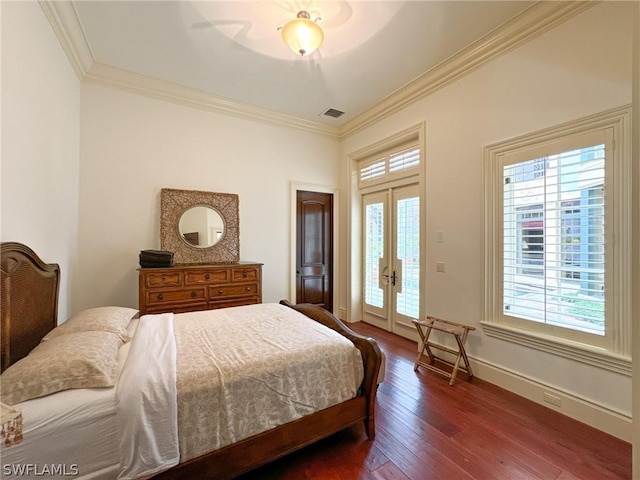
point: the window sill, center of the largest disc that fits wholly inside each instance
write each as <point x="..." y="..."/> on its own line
<point x="575" y="351"/>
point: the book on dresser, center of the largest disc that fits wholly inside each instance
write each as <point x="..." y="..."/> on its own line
<point x="187" y="288"/>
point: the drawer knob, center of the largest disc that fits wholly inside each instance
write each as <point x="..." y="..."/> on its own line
<point x="207" y="276"/>
<point x="248" y="289"/>
<point x="220" y="292"/>
<point x="193" y="294"/>
<point x="245" y="273"/>
<point x="160" y="296"/>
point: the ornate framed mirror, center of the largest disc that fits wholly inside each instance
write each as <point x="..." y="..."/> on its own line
<point x="199" y="227"/>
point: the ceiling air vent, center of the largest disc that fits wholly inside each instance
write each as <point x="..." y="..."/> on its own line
<point x="332" y="112"/>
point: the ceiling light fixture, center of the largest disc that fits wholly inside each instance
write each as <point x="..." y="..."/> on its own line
<point x="303" y="35"/>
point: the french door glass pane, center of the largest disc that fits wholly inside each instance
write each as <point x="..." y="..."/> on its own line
<point x="374" y="251"/>
<point x="408" y="252"/>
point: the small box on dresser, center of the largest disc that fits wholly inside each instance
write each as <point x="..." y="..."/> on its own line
<point x="188" y="288"/>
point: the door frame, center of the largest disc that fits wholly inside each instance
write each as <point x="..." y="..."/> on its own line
<point x="354" y="273"/>
<point x="295" y="187"/>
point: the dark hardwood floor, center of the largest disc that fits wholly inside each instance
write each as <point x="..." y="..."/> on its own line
<point x="426" y="430"/>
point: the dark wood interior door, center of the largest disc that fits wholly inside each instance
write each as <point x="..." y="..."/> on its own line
<point x="314" y="249"/>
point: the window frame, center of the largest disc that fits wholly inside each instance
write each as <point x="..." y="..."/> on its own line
<point x="613" y="350"/>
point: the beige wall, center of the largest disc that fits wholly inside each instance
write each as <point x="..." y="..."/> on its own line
<point x="132" y="146"/>
<point x="40" y="141"/>
<point x="579" y="68"/>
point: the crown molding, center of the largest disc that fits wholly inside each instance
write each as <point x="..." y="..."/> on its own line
<point x="64" y="21"/>
<point x="534" y="21"/>
<point x="152" y="87"/>
<point x="539" y="18"/>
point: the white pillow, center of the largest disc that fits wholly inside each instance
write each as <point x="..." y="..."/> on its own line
<point x="104" y="319"/>
<point x="74" y="360"/>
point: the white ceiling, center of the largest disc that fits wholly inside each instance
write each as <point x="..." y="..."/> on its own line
<point x="233" y="49"/>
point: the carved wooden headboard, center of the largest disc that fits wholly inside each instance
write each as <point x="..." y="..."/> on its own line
<point x="29" y="300"/>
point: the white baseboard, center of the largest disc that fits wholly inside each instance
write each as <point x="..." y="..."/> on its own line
<point x="606" y="419"/>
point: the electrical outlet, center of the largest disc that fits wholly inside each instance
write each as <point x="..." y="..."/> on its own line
<point x="552" y="399"/>
<point x="440" y="236"/>
<point x="440" y="267"/>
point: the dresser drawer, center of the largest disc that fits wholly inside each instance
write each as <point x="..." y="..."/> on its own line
<point x="170" y="296"/>
<point x="166" y="279"/>
<point x="178" y="308"/>
<point x="237" y="302"/>
<point x="205" y="277"/>
<point x="233" y="291"/>
<point x="244" y="274"/>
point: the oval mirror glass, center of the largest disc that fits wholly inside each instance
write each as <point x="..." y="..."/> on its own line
<point x="201" y="226"/>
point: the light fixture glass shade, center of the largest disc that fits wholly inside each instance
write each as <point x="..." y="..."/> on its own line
<point x="302" y="34"/>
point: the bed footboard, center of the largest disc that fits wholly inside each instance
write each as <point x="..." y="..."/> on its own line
<point x="371" y="355"/>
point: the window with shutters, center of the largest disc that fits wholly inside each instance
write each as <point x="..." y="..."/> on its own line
<point x="557" y="246"/>
<point x="396" y="163"/>
<point x="554" y="238"/>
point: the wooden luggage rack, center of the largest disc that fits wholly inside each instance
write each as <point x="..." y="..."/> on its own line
<point x="459" y="331"/>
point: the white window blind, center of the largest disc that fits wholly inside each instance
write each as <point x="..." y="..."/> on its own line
<point x="553" y="239"/>
<point x="398" y="162"/>
<point x="373" y="171"/>
<point x="374" y="251"/>
<point x="404" y="160"/>
<point x="408" y="250"/>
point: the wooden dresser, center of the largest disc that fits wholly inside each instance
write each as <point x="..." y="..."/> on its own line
<point x="187" y="288"/>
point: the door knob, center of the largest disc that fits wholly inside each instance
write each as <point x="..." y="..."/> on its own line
<point x="393" y="277"/>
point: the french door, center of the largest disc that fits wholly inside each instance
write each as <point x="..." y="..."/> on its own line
<point x="391" y="264"/>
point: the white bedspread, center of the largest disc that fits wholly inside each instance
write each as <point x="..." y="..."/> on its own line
<point x="147" y="401"/>
<point x="245" y="370"/>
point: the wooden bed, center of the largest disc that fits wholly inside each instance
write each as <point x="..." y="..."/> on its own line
<point x="29" y="311"/>
<point x="29" y="300"/>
